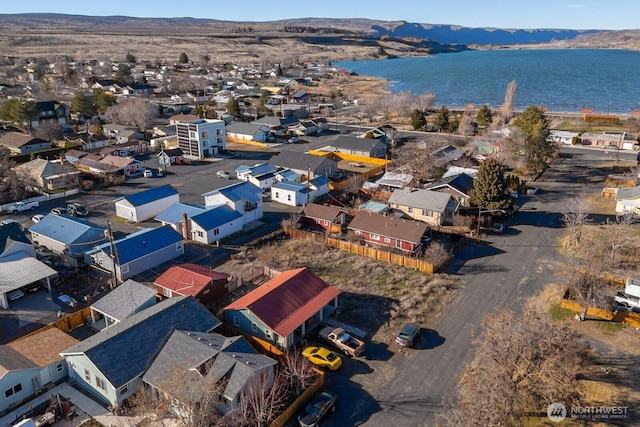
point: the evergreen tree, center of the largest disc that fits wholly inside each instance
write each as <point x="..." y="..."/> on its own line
<point x="488" y="191"/>
<point x="122" y="76"/>
<point x="535" y="128"/>
<point x="484" y="116"/>
<point x="131" y="59"/>
<point x="19" y="112"/>
<point x="418" y="120"/>
<point x="82" y="104"/>
<point x="232" y="106"/>
<point x="102" y="100"/>
<point x="184" y="59"/>
<point x="442" y="121"/>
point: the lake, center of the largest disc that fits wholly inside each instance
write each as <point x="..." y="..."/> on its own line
<point x="560" y="80"/>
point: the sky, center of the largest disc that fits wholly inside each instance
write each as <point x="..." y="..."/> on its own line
<point x="525" y="14"/>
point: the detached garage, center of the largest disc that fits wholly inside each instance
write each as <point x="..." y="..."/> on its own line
<point x="147" y="204"/>
<point x="18" y="273"/>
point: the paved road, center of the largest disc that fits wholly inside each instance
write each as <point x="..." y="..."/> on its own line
<point x="408" y="388"/>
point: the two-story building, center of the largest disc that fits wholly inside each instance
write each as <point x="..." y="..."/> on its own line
<point x="201" y="138"/>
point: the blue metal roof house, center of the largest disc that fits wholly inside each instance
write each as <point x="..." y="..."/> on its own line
<point x="67" y="235"/>
<point x="111" y="363"/>
<point x="146" y="204"/>
<point x="137" y="252"/>
<point x="215" y="224"/>
<point x="174" y="216"/>
<point x="243" y="197"/>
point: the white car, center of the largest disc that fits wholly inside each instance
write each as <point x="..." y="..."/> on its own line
<point x="148" y="173"/>
<point x="223" y="174"/>
<point x="36" y="218"/>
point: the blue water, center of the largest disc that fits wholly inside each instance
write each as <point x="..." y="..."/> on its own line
<point x="560" y="80"/>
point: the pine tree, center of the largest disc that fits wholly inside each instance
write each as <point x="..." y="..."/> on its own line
<point x="484" y="116"/>
<point x="488" y="191"/>
<point x="418" y="120"/>
<point x="232" y="106"/>
<point x="535" y="128"/>
<point x="442" y="121"/>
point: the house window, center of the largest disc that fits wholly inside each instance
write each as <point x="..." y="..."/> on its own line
<point x="427" y="212"/>
<point x="205" y="134"/>
<point x="87" y="375"/>
<point x="410" y="209"/>
<point x="267" y="333"/>
<point x="358" y="232"/>
<point x="288" y="197"/>
<point x="200" y="233"/>
<point x="218" y="131"/>
<point x="179" y="246"/>
<point x="101" y="383"/>
<point x="236" y="321"/>
<point x="193" y="134"/>
<point x="124" y="389"/>
<point x="219" y="140"/>
<point x="59" y="367"/>
<point x="374" y="236"/>
<point x="13" y="390"/>
<point x="387" y="240"/>
<point x="216" y="231"/>
<point x="254" y="327"/>
<point x="277" y="195"/>
<point x="326" y="223"/>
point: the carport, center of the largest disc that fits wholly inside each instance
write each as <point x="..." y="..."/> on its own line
<point x="20" y="270"/>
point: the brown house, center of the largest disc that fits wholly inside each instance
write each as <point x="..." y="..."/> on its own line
<point x="19" y="143"/>
<point x="392" y="232"/>
<point x="194" y="280"/>
<point x="328" y="217"/>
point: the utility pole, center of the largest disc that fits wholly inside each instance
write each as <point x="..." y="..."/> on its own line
<point x="112" y="249"/>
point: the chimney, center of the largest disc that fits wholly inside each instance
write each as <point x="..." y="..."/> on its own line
<point x="409" y="189"/>
<point x="185" y="226"/>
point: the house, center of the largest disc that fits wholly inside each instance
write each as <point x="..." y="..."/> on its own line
<point x="358" y="146"/>
<point x="177" y="216"/>
<point x="30" y="365"/>
<point x="49" y="110"/>
<point x="433" y="207"/>
<point x="128" y="165"/>
<point x="171" y="156"/>
<point x="111" y="363"/>
<point x="328" y="217"/>
<point x="201" y="138"/>
<point x="241" y="131"/>
<point x="20" y="273"/>
<point x="13" y="240"/>
<point x="125" y="300"/>
<point x="287" y="175"/>
<point x="563" y="136"/>
<point x="67" y="235"/>
<point x="146" y="204"/>
<point x="243" y="197"/>
<point x="121" y="134"/>
<point x="284" y="309"/>
<point x="137" y="252"/>
<point x="138" y="89"/>
<point x="278" y="126"/>
<point x="628" y="200"/>
<point x="389" y="231"/>
<point x="304" y="127"/>
<point x="244" y="172"/>
<point x="305" y="164"/>
<point x="198" y="281"/>
<point x="19" y="143"/>
<point x="214" y="224"/>
<point x="393" y="180"/>
<point x="73" y="155"/>
<point x="201" y="359"/>
<point x="298" y="194"/>
<point x="446" y="154"/>
<point x="457" y="186"/>
<point x="112" y="175"/>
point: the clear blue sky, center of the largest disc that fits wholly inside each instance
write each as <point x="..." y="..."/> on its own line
<point x="566" y="14"/>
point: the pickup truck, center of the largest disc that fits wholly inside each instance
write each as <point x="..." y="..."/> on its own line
<point x="22" y="206"/>
<point x="631" y="295"/>
<point x="343" y="341"/>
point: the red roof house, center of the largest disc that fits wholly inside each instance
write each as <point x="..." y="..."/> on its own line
<point x="194" y="280"/>
<point x="285" y="308"/>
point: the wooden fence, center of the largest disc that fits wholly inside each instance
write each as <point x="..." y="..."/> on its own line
<point x="358" y="249"/>
<point x="627" y="317"/>
<point x="299" y="402"/>
<point x="67" y="323"/>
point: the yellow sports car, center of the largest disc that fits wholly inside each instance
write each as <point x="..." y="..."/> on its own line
<point x="322" y="357"/>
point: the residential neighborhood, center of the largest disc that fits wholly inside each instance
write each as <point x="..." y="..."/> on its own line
<point x="171" y="252"/>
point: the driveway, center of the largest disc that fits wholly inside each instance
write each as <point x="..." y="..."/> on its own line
<point x="408" y="388"/>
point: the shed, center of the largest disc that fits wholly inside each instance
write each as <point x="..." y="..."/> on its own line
<point x="198" y="281"/>
<point x="146" y="204"/>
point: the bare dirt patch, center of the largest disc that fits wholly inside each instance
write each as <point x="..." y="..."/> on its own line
<point x="377" y="297"/>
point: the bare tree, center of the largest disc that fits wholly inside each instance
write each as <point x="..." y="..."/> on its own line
<point x="262" y="400"/>
<point x="355" y="182"/>
<point x="437" y="254"/>
<point x="467" y="126"/>
<point x="425" y="101"/>
<point x="133" y="112"/>
<point x="509" y="102"/>
<point x="49" y="130"/>
<point x="298" y="370"/>
<point x="575" y="217"/>
<point x="521" y="363"/>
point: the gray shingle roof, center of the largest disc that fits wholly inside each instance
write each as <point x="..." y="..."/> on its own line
<point x="124" y="351"/>
<point x="628" y="193"/>
<point x="124" y="300"/>
<point x="421" y="199"/>
<point x="461" y="182"/>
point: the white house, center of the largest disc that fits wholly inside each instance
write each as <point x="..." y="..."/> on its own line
<point x="215" y="224"/>
<point x="201" y="138"/>
<point x="298" y="194"/>
<point x="146" y="204"/>
<point x="243" y="197"/>
<point x="248" y="131"/>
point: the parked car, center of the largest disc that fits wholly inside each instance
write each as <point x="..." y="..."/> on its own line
<point x="148" y="173"/>
<point x="532" y="190"/>
<point x="322" y="357"/>
<point x="407" y="335"/>
<point x="58" y="211"/>
<point x="294" y="140"/>
<point x="498" y="228"/>
<point x="611" y="147"/>
<point x="76" y="209"/>
<point x="323" y="404"/>
<point x="36" y="218"/>
<point x="224" y="174"/>
<point x="22" y="206"/>
<point x="7" y="221"/>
